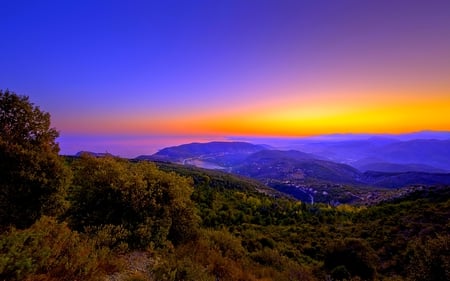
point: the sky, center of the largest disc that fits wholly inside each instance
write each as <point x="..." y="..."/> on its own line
<point x="123" y="72"/>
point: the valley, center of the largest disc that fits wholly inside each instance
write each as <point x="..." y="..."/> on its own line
<point x="313" y="178"/>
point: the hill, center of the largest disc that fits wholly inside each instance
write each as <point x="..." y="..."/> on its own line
<point x="294" y="165"/>
<point x="418" y="155"/>
<point x="307" y="176"/>
<point x="435" y="153"/>
<point x="219" y="179"/>
<point x="125" y="218"/>
<point x="396" y="239"/>
<point x="365" y="165"/>
<point x="213" y="155"/>
<point x="396" y="180"/>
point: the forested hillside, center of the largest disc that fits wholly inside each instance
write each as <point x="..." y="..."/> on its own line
<point x="95" y="218"/>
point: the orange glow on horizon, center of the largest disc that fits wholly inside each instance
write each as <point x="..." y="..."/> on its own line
<point x="294" y="116"/>
<point x="327" y="115"/>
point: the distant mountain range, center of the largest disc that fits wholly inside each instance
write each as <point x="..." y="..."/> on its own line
<point x="416" y="155"/>
<point x="354" y="161"/>
<point x="323" y="170"/>
<point x="294" y="166"/>
<point x="215" y="155"/>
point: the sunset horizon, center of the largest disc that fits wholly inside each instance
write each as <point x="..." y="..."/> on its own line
<point x="240" y="68"/>
<point x="134" y="145"/>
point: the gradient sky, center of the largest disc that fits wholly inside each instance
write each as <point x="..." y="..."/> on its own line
<point x="222" y="68"/>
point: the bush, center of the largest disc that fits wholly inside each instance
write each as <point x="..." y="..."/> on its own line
<point x="50" y="251"/>
<point x="430" y="259"/>
<point x="148" y="205"/>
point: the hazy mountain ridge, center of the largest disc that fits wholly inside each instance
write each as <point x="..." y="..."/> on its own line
<point x="397" y="168"/>
<point x="396" y="180"/>
<point x="285" y="165"/>
<point x="431" y="152"/>
<point x="219" y="155"/>
<point x="308" y="176"/>
<point x="256" y="160"/>
<point x="430" y="148"/>
<point x="422" y="155"/>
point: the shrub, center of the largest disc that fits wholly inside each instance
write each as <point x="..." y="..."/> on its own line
<point x="430" y="259"/>
<point x="149" y="206"/>
<point x="49" y="250"/>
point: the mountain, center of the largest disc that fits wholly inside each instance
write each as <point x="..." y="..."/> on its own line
<point x="390" y="163"/>
<point x="312" y="177"/>
<point x="213" y="155"/>
<point x="436" y="135"/>
<point x="308" y="178"/>
<point x="294" y="165"/>
<point x="395" y="168"/>
<point x="396" y="180"/>
<point x="419" y="155"/>
<point x="344" y="151"/>
<point x="219" y="179"/>
<point x="430" y="152"/>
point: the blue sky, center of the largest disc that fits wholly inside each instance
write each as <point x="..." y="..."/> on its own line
<point x="221" y="68"/>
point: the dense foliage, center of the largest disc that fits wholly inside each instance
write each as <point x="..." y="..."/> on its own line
<point x="137" y="203"/>
<point x="49" y="250"/>
<point x="193" y="224"/>
<point x="394" y="240"/>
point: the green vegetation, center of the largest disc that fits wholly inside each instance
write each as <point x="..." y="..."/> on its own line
<point x="137" y="204"/>
<point x="49" y="250"/>
<point x="80" y="218"/>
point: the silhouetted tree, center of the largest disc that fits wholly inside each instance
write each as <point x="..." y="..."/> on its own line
<point x="32" y="175"/>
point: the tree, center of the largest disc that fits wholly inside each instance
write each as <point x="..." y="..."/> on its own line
<point x="32" y="175"/>
<point x="150" y="205"/>
<point x="49" y="250"/>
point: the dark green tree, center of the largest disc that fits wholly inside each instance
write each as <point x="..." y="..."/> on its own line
<point x="33" y="177"/>
<point x="150" y="205"/>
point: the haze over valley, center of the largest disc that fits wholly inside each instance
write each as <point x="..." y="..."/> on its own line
<point x="332" y="170"/>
